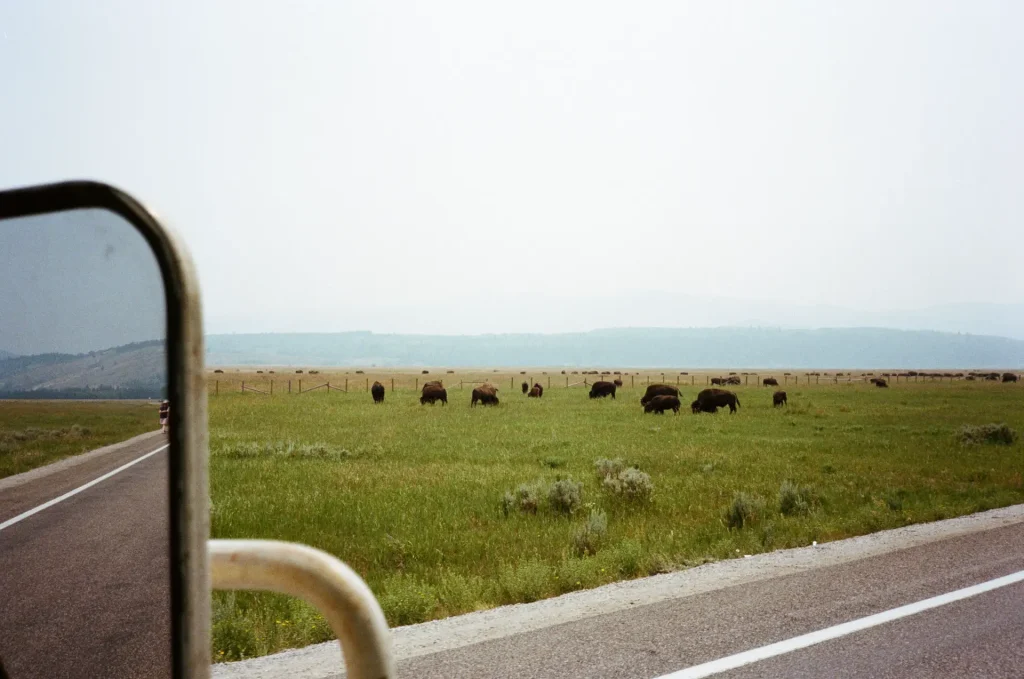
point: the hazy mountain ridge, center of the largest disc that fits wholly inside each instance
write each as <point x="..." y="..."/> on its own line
<point x="139" y="368"/>
<point x="632" y="347"/>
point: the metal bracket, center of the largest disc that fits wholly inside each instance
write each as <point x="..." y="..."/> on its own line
<point x="319" y="578"/>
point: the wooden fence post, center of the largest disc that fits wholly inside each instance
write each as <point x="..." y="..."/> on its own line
<point x="691" y="380"/>
<point x="216" y="386"/>
<point x="271" y="387"/>
<point x="367" y="384"/>
<point x="300" y="386"/>
<point x="566" y="381"/>
<point x="417" y="387"/>
<point x="243" y="386"/>
<point x="632" y="384"/>
<point x="392" y="385"/>
<point x="549" y="381"/>
<point x="346" y="385"/>
<point x="745" y="378"/>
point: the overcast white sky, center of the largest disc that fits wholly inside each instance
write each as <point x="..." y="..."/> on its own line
<point x="466" y="167"/>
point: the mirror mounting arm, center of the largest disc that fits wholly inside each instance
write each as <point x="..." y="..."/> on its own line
<point x="322" y="580"/>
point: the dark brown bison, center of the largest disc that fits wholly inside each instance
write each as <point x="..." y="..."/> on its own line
<point x="617" y="382"/>
<point x="658" y="390"/>
<point x="732" y="380"/>
<point x="880" y="382"/>
<point x="433" y="383"/>
<point x="432" y="393"/>
<point x="426" y="372"/>
<point x="659" y="404"/>
<point x="779" y="399"/>
<point x="769" y="382"/>
<point x="536" y="391"/>
<point x="486" y="394"/>
<point x="218" y="370"/>
<point x="1009" y="377"/>
<point x="709" y="399"/>
<point x="602" y="389"/>
<point x="378" y="392"/>
<point x="717" y="380"/>
<point x="525" y="386"/>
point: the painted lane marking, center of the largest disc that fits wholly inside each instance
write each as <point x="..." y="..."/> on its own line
<point x="76" y="491"/>
<point x="731" y="662"/>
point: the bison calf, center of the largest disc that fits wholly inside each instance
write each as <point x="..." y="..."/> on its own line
<point x="659" y="404"/>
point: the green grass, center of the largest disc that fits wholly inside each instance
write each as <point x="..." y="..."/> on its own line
<point x="411" y="496"/>
<point x="36" y="433"/>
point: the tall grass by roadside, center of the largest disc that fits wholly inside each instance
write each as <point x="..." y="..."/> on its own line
<point x="446" y="510"/>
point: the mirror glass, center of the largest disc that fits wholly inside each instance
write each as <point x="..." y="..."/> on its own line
<point x="84" y="502"/>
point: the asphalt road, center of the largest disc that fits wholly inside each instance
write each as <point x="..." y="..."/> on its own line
<point x="84" y="583"/>
<point x="976" y="637"/>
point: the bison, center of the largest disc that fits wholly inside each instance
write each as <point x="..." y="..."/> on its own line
<point x="698" y="407"/>
<point x="602" y="389"/>
<point x="880" y="382"/>
<point x="717" y="380"/>
<point x="617" y="382"/>
<point x="658" y="390"/>
<point x="659" y="404"/>
<point x="433" y="392"/>
<point x="770" y="382"/>
<point x="526" y="387"/>
<point x="717" y="398"/>
<point x="536" y="391"/>
<point x="1009" y="377"/>
<point x="486" y="394"/>
<point x="779" y="399"/>
<point x="378" y="392"/>
<point x="218" y="370"/>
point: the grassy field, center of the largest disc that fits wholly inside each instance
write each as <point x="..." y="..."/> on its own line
<point x="36" y="433"/>
<point x="412" y="496"/>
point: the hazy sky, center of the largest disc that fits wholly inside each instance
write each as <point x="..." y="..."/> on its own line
<point x="77" y="282"/>
<point x="456" y="166"/>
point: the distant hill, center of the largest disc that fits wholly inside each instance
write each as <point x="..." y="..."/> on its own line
<point x="6" y="354"/>
<point x="131" y="371"/>
<point x="629" y="347"/>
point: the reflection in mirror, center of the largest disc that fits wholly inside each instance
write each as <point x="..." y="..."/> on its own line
<point x="84" y="508"/>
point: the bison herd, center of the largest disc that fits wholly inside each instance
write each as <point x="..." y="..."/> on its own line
<point x="657" y="399"/>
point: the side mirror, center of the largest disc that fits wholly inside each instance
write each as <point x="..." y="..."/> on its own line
<point x="105" y="563"/>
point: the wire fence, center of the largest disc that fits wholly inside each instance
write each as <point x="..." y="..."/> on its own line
<point x="271" y="383"/>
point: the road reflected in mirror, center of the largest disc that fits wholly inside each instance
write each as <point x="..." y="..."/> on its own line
<point x="84" y="504"/>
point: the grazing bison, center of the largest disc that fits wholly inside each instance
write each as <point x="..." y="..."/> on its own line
<point x="732" y="380"/>
<point x="602" y="389"/>
<point x="378" y="392"/>
<point x="432" y="393"/>
<point x="717" y="380"/>
<point x="659" y="404"/>
<point x="717" y="398"/>
<point x="536" y="391"/>
<point x="540" y="389"/>
<point x="698" y="407"/>
<point x="770" y="382"/>
<point x="433" y="383"/>
<point x="880" y="382"/>
<point x="486" y="394"/>
<point x="779" y="399"/>
<point x="1009" y="377"/>
<point x="218" y="370"/>
<point x="617" y="382"/>
<point x="526" y="387"/>
<point x="658" y="390"/>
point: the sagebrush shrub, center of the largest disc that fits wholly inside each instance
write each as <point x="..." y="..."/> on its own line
<point x="794" y="499"/>
<point x="630" y="484"/>
<point x="745" y="509"/>
<point x="565" y="496"/>
<point x="987" y="433"/>
<point x="587" y="539"/>
<point x="605" y="467"/>
<point x="526" y="499"/>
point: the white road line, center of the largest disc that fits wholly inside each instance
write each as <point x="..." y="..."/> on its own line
<point x="21" y="517"/>
<point x="789" y="645"/>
